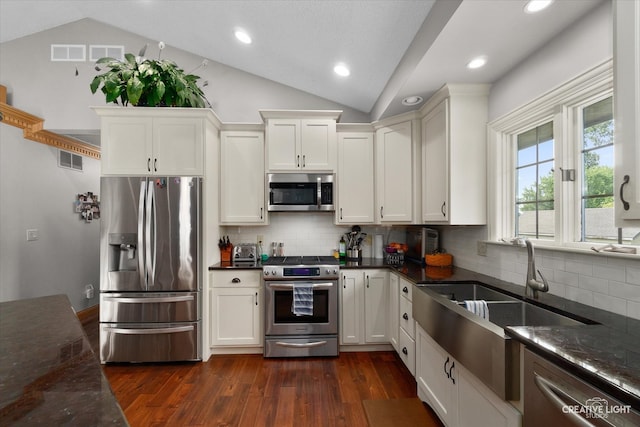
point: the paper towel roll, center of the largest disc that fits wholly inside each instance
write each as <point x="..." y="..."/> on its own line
<point x="377" y="246"/>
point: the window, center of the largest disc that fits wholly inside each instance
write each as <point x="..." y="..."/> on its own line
<point x="535" y="183"/>
<point x="597" y="214"/>
<point x="550" y="166"/>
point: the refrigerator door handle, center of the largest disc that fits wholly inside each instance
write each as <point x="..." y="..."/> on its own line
<point x="148" y="300"/>
<point x="149" y="252"/>
<point x="141" y="246"/>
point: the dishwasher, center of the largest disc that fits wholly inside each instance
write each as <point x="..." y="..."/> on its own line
<point x="554" y="397"/>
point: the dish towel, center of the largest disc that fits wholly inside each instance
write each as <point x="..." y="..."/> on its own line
<point x="302" y="304"/>
<point x="479" y="307"/>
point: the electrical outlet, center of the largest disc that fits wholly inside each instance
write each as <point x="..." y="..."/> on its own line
<point x="260" y="238"/>
<point x="482" y="248"/>
<point x="88" y="291"/>
<point x="32" y="235"/>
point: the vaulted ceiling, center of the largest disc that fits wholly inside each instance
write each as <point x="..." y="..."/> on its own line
<point x="394" y="48"/>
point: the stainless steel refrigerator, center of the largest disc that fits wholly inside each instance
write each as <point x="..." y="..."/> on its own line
<point x="150" y="275"/>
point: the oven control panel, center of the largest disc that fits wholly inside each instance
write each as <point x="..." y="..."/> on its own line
<point x="300" y="272"/>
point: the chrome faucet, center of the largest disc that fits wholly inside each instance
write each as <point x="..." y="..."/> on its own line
<point x="533" y="285"/>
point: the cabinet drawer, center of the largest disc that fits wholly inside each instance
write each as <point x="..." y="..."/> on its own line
<point x="236" y="278"/>
<point x="407" y="351"/>
<point x="406" y="289"/>
<point x="406" y="318"/>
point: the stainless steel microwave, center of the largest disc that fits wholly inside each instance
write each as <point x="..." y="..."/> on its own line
<point x="301" y="192"/>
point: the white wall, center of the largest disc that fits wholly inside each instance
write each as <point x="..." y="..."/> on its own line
<point x="580" y="47"/>
<point x="37" y="194"/>
<point x="52" y="91"/>
<point x="609" y="283"/>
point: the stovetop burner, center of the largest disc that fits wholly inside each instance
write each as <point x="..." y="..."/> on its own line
<point x="301" y="260"/>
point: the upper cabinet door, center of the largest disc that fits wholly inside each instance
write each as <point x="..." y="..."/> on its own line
<point x="283" y="139"/>
<point x="319" y="144"/>
<point x="394" y="173"/>
<point x="355" y="178"/>
<point x="303" y="141"/>
<point x="126" y="146"/>
<point x="155" y="141"/>
<point x="435" y="182"/>
<point x="242" y="177"/>
<point x="627" y="112"/>
<point x="178" y="146"/>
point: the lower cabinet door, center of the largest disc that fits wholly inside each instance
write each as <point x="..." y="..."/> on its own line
<point x="236" y="317"/>
<point x="407" y="351"/>
<point x="433" y="375"/>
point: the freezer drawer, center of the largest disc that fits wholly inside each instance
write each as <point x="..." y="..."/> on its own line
<point x="150" y="342"/>
<point x="150" y="307"/>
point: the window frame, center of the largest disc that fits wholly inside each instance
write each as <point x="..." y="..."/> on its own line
<point x="563" y="106"/>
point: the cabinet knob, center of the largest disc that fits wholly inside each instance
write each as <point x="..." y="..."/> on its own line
<point x="298" y="160"/>
<point x="148" y="164"/>
<point x="381" y="210"/>
<point x="405" y="316"/>
<point x="404" y="350"/>
<point x="304" y="160"/>
<point x="155" y="165"/>
<point x="256" y="298"/>
<point x="450" y="374"/>
<point x="235" y="280"/>
<point x="442" y="209"/>
<point x="405" y="290"/>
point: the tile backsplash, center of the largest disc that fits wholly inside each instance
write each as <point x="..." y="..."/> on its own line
<point x="306" y="233"/>
<point x="606" y="282"/>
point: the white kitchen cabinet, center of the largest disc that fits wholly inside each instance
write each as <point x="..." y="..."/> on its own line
<point x="242" y="179"/>
<point x="355" y="178"/>
<point x="407" y="345"/>
<point x="627" y="111"/>
<point x="376" y="306"/>
<point x="364" y="306"/>
<point x="301" y="140"/>
<point x="236" y="309"/>
<point x="453" y="127"/>
<point x="394" y="173"/>
<point x="454" y="393"/>
<point x="154" y="141"/>
<point x="394" y="311"/>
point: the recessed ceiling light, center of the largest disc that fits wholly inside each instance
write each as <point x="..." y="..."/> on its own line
<point x="341" y="70"/>
<point x="477" y="62"/>
<point x="534" y="6"/>
<point x="412" y="100"/>
<point x="243" y="36"/>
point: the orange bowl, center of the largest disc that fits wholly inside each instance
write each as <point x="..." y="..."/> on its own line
<point x="439" y="260"/>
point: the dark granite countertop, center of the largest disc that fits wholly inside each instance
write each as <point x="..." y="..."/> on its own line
<point x="49" y="374"/>
<point x="604" y="352"/>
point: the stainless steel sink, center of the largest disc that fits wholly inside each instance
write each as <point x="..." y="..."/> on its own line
<point x="481" y="345"/>
<point x="504" y="310"/>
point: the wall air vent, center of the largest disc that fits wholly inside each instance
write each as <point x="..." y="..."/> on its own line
<point x="97" y="51"/>
<point x="68" y="52"/>
<point x="69" y="160"/>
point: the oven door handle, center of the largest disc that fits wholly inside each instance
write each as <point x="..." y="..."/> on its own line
<point x="289" y="286"/>
<point x="300" y="345"/>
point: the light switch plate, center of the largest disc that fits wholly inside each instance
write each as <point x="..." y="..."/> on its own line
<point x="32" y="235"/>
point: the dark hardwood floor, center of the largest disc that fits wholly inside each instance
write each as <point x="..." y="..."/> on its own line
<point x="249" y="390"/>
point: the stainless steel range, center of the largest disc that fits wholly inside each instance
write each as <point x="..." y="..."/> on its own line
<point x="301" y="306"/>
